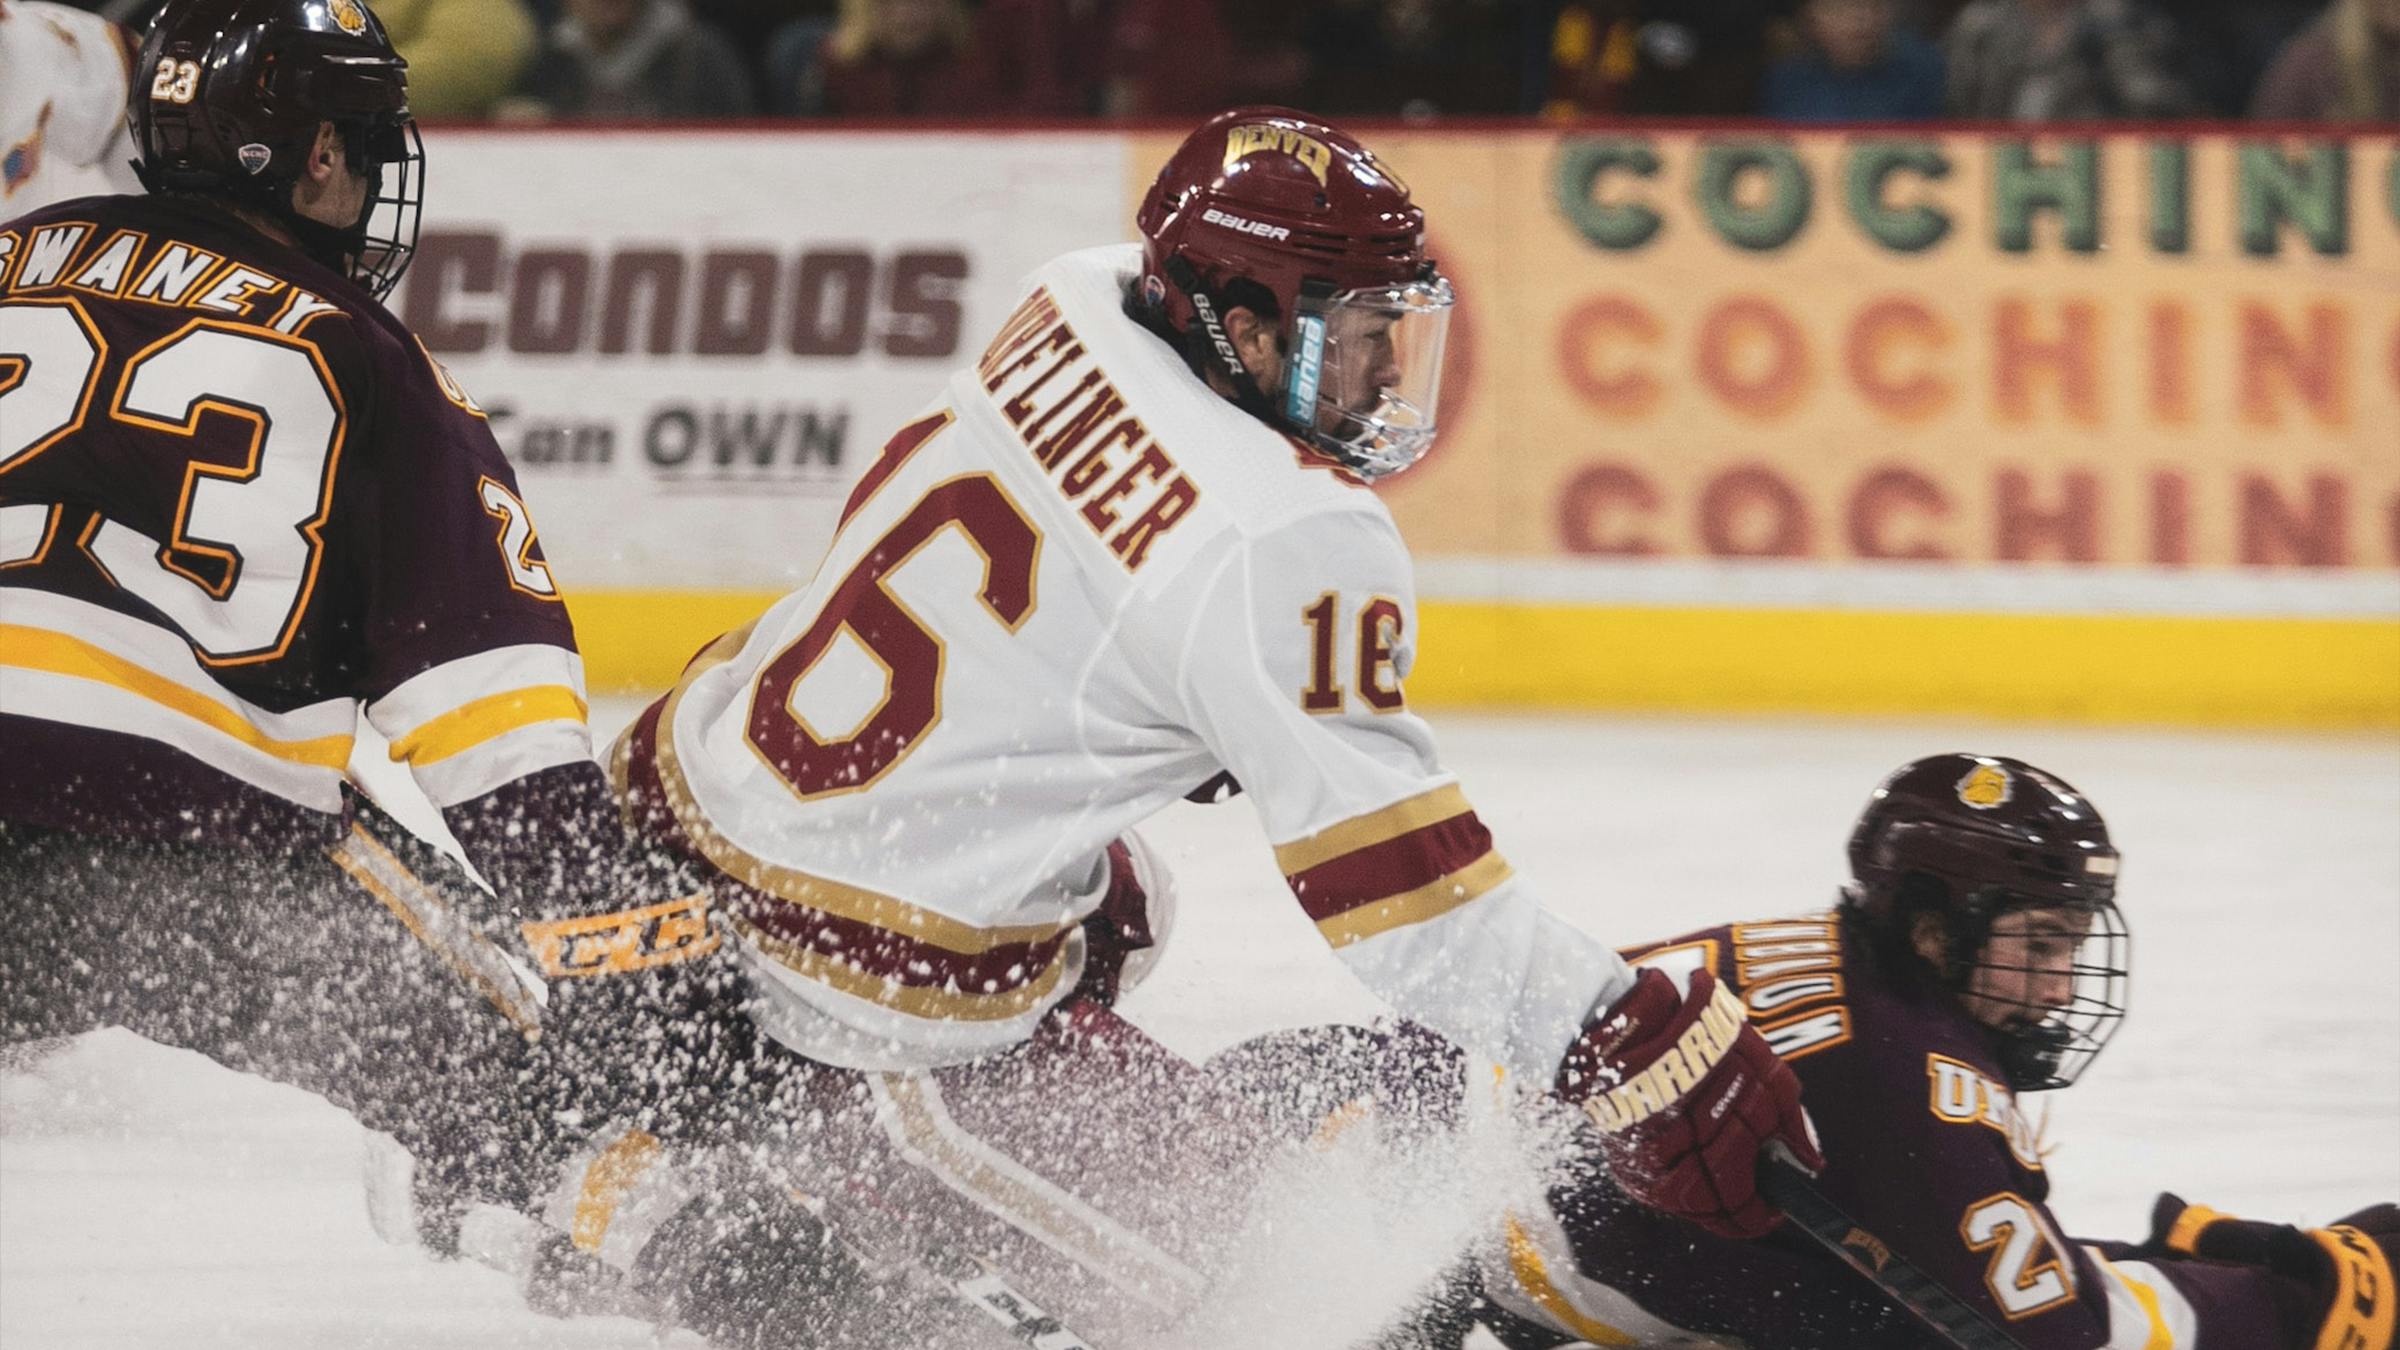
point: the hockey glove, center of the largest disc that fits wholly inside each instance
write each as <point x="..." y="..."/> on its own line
<point x="2346" y="1267"/>
<point x="1687" y="1094"/>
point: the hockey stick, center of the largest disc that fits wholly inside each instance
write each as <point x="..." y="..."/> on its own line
<point x="966" y="1280"/>
<point x="1795" y="1192"/>
<point x="433" y="895"/>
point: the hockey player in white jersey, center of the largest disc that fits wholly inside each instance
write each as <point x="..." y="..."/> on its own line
<point x="63" y="74"/>
<point x="1131" y="550"/>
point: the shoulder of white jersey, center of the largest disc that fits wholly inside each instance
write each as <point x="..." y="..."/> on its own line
<point x="85" y="65"/>
<point x="1255" y="478"/>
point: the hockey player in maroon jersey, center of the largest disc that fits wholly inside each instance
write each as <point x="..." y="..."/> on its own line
<point x="1977" y="955"/>
<point x="240" y="505"/>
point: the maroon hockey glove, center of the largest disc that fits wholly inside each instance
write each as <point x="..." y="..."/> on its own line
<point x="1687" y="1094"/>
<point x="2346" y="1268"/>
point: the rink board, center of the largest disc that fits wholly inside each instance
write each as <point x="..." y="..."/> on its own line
<point x="2096" y="424"/>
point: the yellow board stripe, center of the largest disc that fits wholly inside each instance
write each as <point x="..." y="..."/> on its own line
<point x="1429" y="901"/>
<point x="937" y="1004"/>
<point x="2142" y="668"/>
<point x="2094" y="668"/>
<point x="637" y="641"/>
<point x="1375" y="827"/>
<point x="57" y="654"/>
<point x="485" y="719"/>
<point x="1533" y="1276"/>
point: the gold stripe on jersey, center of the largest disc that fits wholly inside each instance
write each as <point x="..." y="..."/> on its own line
<point x="1427" y="902"/>
<point x="855" y="903"/>
<point x="2161" y="1337"/>
<point x="1533" y="1276"/>
<point x="2185" y="1235"/>
<point x="1375" y="827"/>
<point x="606" y="1182"/>
<point x="57" y="654"/>
<point x="487" y="719"/>
<point x="932" y="1003"/>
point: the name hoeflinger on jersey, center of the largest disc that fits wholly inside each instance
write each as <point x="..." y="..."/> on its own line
<point x="1054" y="393"/>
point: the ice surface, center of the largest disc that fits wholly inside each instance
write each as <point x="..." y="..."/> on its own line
<point x="149" y="1198"/>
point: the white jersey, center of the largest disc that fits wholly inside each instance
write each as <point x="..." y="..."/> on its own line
<point x="1078" y="587"/>
<point x="63" y="76"/>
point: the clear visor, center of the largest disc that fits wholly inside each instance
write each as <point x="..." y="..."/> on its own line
<point x="1366" y="373"/>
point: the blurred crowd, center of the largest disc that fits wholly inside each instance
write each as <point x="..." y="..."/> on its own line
<point x="1796" y="60"/>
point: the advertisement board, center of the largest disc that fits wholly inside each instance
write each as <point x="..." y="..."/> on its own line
<point x="689" y="343"/>
<point x="2060" y="424"/>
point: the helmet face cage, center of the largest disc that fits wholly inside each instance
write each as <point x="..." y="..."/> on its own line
<point x="2001" y="970"/>
<point x="394" y="166"/>
<point x="2018" y="869"/>
<point x="1362" y="375"/>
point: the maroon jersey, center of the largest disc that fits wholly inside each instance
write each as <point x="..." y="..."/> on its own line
<point x="1926" y="1147"/>
<point x="238" y="502"/>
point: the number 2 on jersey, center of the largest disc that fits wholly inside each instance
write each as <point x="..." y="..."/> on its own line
<point x="2027" y="1273"/>
<point x="911" y="654"/>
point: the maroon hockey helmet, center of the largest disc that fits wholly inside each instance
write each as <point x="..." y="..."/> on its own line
<point x="227" y="97"/>
<point x="1970" y="838"/>
<point x="1269" y="209"/>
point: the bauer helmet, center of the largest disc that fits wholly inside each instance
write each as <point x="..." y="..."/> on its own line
<point x="1270" y="210"/>
<point x="226" y="100"/>
<point x="1968" y="839"/>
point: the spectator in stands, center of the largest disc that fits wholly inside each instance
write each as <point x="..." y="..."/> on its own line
<point x="2053" y="60"/>
<point x="1855" y="65"/>
<point x="900" y="58"/>
<point x="2226" y="45"/>
<point x="1412" y="57"/>
<point x="1667" y="57"/>
<point x="636" y="59"/>
<point x="1271" y="61"/>
<point x="1115" y="58"/>
<point x="463" y="55"/>
<point x="2345" y="66"/>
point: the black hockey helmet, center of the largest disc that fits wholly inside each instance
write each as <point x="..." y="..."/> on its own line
<point x="227" y="96"/>
<point x="1970" y="838"/>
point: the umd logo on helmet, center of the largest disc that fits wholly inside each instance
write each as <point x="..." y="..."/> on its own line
<point x="1314" y="155"/>
<point x="1986" y="786"/>
<point x="347" y="16"/>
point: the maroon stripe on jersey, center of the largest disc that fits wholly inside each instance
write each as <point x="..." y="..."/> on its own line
<point x="870" y="950"/>
<point x="86" y="780"/>
<point x="642" y="795"/>
<point x="1396" y="866"/>
<point x="887" y="955"/>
